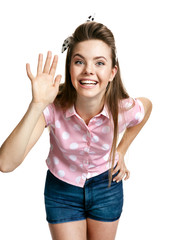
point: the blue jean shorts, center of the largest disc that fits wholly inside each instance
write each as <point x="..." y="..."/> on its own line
<point x="65" y="202"/>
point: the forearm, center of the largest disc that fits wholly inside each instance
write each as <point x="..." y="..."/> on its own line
<point x="13" y="149"/>
<point x="132" y="132"/>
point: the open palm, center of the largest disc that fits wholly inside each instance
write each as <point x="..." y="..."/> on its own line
<point x="44" y="86"/>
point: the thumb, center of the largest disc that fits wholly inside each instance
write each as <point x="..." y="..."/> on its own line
<point x="29" y="73"/>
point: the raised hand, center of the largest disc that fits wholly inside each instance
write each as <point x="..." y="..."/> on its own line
<point x="44" y="86"/>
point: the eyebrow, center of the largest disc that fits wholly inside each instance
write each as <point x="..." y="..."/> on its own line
<point x="79" y="55"/>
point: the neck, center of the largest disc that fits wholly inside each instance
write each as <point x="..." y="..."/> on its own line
<point x="88" y="108"/>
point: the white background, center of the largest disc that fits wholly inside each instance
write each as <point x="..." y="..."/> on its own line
<point x="150" y="43"/>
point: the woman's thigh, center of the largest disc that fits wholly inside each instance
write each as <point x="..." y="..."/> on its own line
<point x="99" y="230"/>
<point x="69" y="230"/>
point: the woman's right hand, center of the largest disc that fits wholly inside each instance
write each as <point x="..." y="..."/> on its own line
<point x="44" y="86"/>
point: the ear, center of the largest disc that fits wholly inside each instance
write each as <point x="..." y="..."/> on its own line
<point x="113" y="73"/>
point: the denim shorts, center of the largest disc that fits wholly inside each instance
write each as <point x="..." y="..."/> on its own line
<point x="65" y="202"/>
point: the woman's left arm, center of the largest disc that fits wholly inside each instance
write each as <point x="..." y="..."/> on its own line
<point x="128" y="137"/>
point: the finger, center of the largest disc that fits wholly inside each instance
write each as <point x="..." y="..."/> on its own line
<point x="54" y="65"/>
<point x="47" y="62"/>
<point x="117" y="168"/>
<point x="40" y="63"/>
<point x="127" y="176"/>
<point x="30" y="75"/>
<point x="57" y="81"/>
<point x="119" y="176"/>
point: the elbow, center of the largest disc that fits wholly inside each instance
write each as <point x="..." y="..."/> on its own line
<point x="1" y="165"/>
<point x="7" y="165"/>
<point x="5" y="168"/>
<point x="150" y="106"/>
<point x="147" y="104"/>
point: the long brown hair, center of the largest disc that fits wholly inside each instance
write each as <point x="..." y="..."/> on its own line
<point x="115" y="90"/>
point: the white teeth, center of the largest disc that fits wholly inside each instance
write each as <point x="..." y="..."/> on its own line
<point x="88" y="82"/>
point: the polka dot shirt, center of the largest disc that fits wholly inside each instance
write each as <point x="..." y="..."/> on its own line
<point x="79" y="151"/>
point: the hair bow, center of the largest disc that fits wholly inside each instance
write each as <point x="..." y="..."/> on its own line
<point x="91" y="18"/>
<point x="66" y="42"/>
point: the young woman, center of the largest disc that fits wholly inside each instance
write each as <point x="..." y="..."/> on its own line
<point x="85" y="114"/>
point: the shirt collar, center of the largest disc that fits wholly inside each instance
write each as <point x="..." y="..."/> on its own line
<point x="71" y="112"/>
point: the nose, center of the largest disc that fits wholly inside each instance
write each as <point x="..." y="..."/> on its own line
<point x="89" y="70"/>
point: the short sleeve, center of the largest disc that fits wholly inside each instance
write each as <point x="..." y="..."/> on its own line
<point x="133" y="111"/>
<point x="48" y="113"/>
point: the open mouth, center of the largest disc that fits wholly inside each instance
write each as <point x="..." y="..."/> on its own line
<point x="88" y="82"/>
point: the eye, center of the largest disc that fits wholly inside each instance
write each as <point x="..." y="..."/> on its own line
<point x="78" y="62"/>
<point x="100" y="63"/>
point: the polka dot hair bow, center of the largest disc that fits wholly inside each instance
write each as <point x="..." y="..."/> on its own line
<point x="91" y="18"/>
<point x="66" y="42"/>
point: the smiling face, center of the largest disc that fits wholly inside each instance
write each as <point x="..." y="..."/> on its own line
<point x="91" y="68"/>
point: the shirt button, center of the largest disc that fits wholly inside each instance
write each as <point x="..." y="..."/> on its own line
<point x="86" y="149"/>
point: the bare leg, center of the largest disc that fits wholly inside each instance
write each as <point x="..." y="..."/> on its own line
<point x="69" y="230"/>
<point x="99" y="230"/>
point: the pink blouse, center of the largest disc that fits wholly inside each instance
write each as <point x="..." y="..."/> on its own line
<point x="79" y="151"/>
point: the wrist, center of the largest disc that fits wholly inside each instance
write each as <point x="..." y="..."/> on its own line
<point x="39" y="107"/>
<point x="121" y="152"/>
